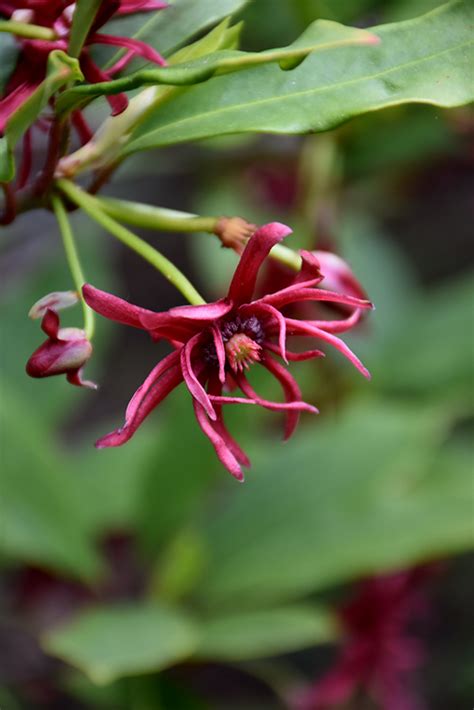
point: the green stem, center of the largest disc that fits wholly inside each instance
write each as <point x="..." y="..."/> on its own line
<point x="160" y="218"/>
<point x="92" y="207"/>
<point x="150" y="217"/>
<point x="73" y="261"/>
<point x="24" y="29"/>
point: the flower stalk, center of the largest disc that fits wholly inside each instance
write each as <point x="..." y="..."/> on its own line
<point x="92" y="207"/>
<point x="73" y="261"/>
<point x="24" y="29"/>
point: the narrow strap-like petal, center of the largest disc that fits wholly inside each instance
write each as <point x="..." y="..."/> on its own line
<point x="205" y="312"/>
<point x="195" y="387"/>
<point x="224" y="453"/>
<point x="220" y="352"/>
<point x="292" y="356"/>
<point x="74" y="377"/>
<point x="297" y="294"/>
<point x="159" y="383"/>
<point x="257" y="249"/>
<point x="248" y="390"/>
<point x="118" y="309"/>
<point x="215" y="388"/>
<point x="141" y="49"/>
<point x="338" y="326"/>
<point x="281" y="323"/>
<point x="310" y="272"/>
<point x="117" y="102"/>
<point x="297" y="327"/>
<point x="290" y="389"/>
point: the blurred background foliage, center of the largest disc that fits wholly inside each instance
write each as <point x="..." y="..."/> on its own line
<point x="157" y="580"/>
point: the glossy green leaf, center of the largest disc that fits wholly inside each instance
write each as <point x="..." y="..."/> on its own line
<point x="258" y="634"/>
<point x="8" y="58"/>
<point x="347" y="497"/>
<point x="61" y="69"/>
<point x="41" y="512"/>
<point x="423" y="60"/>
<point x="84" y="14"/>
<point x="113" y="641"/>
<point x="320" y="36"/>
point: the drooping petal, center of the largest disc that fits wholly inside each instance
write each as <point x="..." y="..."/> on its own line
<point x="290" y="389"/>
<point x="205" y="312"/>
<point x="297" y="294"/>
<point x="195" y="387"/>
<point x="215" y="388"/>
<point x="258" y="247"/>
<point x="118" y="309"/>
<point x="74" y="377"/>
<point x="159" y="383"/>
<point x="221" y="446"/>
<point x="118" y="102"/>
<point x="292" y="356"/>
<point x="255" y="398"/>
<point x="297" y="327"/>
<point x="220" y="352"/>
<point x="310" y="272"/>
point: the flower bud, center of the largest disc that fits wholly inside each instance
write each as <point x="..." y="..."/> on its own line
<point x="64" y="353"/>
<point x="337" y="275"/>
<point x="234" y="232"/>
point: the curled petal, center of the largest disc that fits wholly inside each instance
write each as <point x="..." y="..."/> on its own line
<point x="338" y="275"/>
<point x="310" y="272"/>
<point x="215" y="388"/>
<point x="258" y="247"/>
<point x="297" y="294"/>
<point x="338" y="326"/>
<point x="139" y="48"/>
<point x="220" y="444"/>
<point x="53" y="301"/>
<point x="195" y="387"/>
<point x="297" y="327"/>
<point x="118" y="102"/>
<point x="267" y="308"/>
<point x="291" y="356"/>
<point x="254" y="398"/>
<point x="159" y="383"/>
<point x="74" y="377"/>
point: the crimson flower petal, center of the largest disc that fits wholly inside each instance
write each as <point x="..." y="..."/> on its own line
<point x="290" y="389"/>
<point x="50" y="324"/>
<point x="255" y="398"/>
<point x="296" y="294"/>
<point x="134" y="45"/>
<point x="116" y="308"/>
<point x="292" y="356"/>
<point x="273" y="312"/>
<point x="204" y="312"/>
<point x="159" y="383"/>
<point x="220" y="444"/>
<point x="310" y="272"/>
<point x="338" y="326"/>
<point x="297" y="327"/>
<point x="220" y="352"/>
<point x="258" y="247"/>
<point x="194" y="386"/>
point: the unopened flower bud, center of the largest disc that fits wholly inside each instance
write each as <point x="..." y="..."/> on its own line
<point x="64" y="353"/>
<point x="337" y="275"/>
<point x="55" y="301"/>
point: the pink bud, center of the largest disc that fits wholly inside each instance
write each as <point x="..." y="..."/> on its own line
<point x="338" y="275"/>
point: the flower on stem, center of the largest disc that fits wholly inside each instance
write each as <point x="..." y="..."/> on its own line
<point x="379" y="648"/>
<point x="65" y="352"/>
<point x="57" y="15"/>
<point x="215" y="343"/>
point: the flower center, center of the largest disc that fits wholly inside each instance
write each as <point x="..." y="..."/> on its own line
<point x="242" y="351"/>
<point x="243" y="338"/>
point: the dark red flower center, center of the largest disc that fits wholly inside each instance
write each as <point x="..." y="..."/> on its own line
<point x="243" y="338"/>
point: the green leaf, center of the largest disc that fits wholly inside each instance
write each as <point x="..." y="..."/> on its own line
<point x="423" y="60"/>
<point x="41" y="517"/>
<point x="109" y="642"/>
<point x="320" y="36"/>
<point x="258" y="634"/>
<point x="61" y="69"/>
<point x="84" y="15"/>
<point x="348" y="497"/>
<point x="8" y="58"/>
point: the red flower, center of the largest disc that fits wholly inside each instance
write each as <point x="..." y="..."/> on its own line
<point x="215" y="343"/>
<point x="380" y="648"/>
<point x="57" y="15"/>
<point x="64" y="353"/>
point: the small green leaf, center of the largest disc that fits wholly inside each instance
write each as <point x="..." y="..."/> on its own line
<point x="61" y="69"/>
<point x="8" y="58"/>
<point x="258" y="634"/>
<point x="109" y="642"/>
<point x="425" y="60"/>
<point x="84" y="15"/>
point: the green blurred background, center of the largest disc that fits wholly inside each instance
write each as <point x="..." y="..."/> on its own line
<point x="156" y="579"/>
